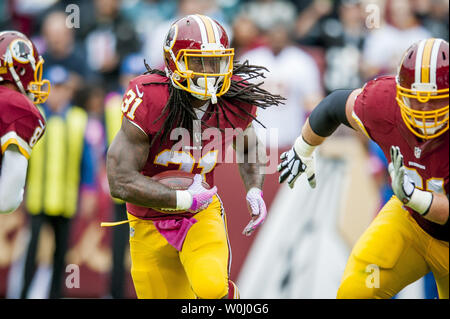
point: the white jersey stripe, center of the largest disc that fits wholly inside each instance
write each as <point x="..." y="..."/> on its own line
<point x="12" y="136"/>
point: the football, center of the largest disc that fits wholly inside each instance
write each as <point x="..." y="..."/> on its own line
<point x="178" y="180"/>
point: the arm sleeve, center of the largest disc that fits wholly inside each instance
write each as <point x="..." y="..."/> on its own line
<point x="330" y="113"/>
<point x="12" y="180"/>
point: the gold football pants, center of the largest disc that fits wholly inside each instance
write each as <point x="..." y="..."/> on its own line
<point x="391" y="254"/>
<point x="199" y="270"/>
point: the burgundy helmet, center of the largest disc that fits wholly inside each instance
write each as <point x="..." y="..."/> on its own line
<point x="423" y="76"/>
<point x="198" y="58"/>
<point x="21" y="64"/>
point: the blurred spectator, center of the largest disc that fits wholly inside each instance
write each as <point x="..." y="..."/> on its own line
<point x="152" y="46"/>
<point x="92" y="97"/>
<point x="109" y="38"/>
<point x="24" y="14"/>
<point x="132" y="66"/>
<point x="384" y="46"/>
<point x="342" y="36"/>
<point x="344" y="47"/>
<point x="292" y="74"/>
<point x="433" y="15"/>
<point x="229" y="8"/>
<point x="307" y="21"/>
<point x="61" y="48"/>
<point x="5" y="17"/>
<point x="268" y="13"/>
<point x="146" y="15"/>
<point x="62" y="167"/>
<point x="246" y="35"/>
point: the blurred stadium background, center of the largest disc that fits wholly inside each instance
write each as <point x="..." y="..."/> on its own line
<point x="310" y="47"/>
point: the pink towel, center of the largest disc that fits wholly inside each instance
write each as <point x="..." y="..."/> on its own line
<point x="174" y="231"/>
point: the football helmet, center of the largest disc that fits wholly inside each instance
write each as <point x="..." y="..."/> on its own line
<point x="21" y="64"/>
<point x="422" y="88"/>
<point x="198" y="58"/>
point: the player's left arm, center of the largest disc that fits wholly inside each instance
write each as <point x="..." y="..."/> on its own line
<point x="12" y="179"/>
<point x="432" y="206"/>
<point x="251" y="156"/>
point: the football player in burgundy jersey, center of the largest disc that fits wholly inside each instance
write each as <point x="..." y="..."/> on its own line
<point x="21" y="123"/>
<point x="408" y="117"/>
<point x="204" y="94"/>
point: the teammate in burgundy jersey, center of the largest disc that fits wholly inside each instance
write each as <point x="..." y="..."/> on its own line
<point x="21" y="124"/>
<point x="426" y="160"/>
<point x="179" y="120"/>
<point x="408" y="117"/>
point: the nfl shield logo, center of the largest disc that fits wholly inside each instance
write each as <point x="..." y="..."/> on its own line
<point x="417" y="152"/>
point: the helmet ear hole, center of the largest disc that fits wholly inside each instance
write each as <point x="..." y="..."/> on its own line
<point x="443" y="56"/>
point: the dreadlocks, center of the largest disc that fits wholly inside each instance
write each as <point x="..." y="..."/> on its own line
<point x="181" y="114"/>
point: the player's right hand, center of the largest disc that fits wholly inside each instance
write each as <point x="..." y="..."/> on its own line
<point x="402" y="185"/>
<point x="300" y="158"/>
<point x="201" y="197"/>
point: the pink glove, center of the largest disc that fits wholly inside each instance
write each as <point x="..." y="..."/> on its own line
<point x="201" y="197"/>
<point x="258" y="209"/>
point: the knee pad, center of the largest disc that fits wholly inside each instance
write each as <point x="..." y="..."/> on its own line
<point x="210" y="288"/>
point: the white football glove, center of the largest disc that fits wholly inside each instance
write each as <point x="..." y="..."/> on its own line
<point x="258" y="209"/>
<point x="201" y="197"/>
<point x="300" y="158"/>
<point x="196" y="197"/>
<point x="404" y="187"/>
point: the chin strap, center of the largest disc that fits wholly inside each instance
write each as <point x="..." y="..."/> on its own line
<point x="213" y="99"/>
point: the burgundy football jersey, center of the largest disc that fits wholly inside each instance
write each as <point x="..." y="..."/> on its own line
<point x="426" y="161"/>
<point x="21" y="123"/>
<point x="143" y="105"/>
